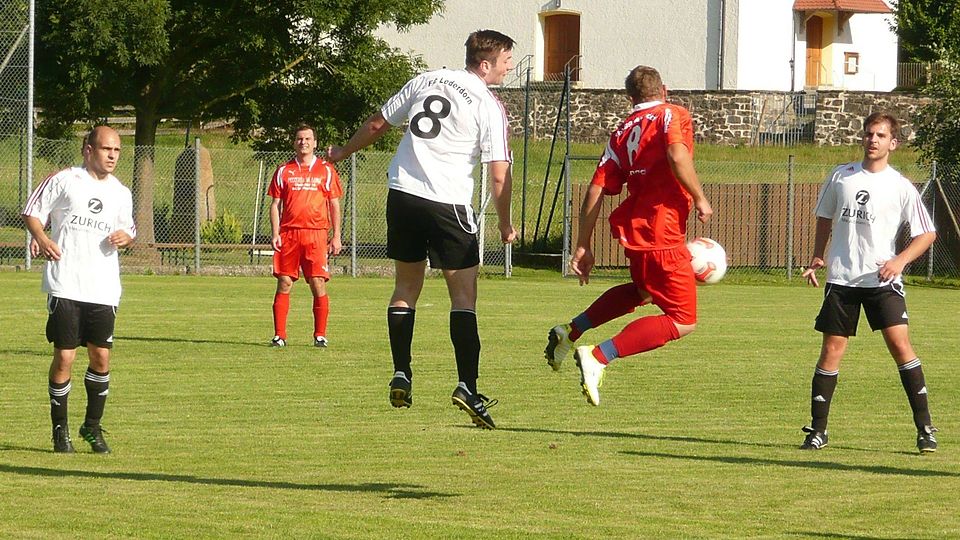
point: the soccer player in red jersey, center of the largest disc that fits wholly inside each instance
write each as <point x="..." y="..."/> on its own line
<point x="651" y="152"/>
<point x="305" y="212"/>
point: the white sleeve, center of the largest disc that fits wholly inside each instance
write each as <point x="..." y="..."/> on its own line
<point x="494" y="132"/>
<point x="827" y="201"/>
<point x="125" y="217"/>
<point x="43" y="199"/>
<point x="397" y="108"/>
<point x="914" y="213"/>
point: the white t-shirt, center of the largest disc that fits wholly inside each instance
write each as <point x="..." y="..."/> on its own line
<point x="867" y="210"/>
<point x="455" y="120"/>
<point x="82" y="212"/>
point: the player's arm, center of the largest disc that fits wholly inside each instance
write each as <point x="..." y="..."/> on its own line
<point x="824" y="225"/>
<point x="336" y="243"/>
<point x="681" y="163"/>
<point x="501" y="190"/>
<point x="275" y="224"/>
<point x="368" y="133"/>
<point x="45" y="246"/>
<point x="583" y="260"/>
<point x="917" y="246"/>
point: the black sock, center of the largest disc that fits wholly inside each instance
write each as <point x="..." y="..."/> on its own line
<point x="400" y="322"/>
<point x="911" y="375"/>
<point x="98" y="386"/>
<point x="59" y="392"/>
<point x="821" y="392"/>
<point x="466" y="346"/>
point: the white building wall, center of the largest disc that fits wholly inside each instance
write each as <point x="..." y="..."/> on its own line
<point x="869" y="35"/>
<point x="766" y="45"/>
<point x="679" y="39"/>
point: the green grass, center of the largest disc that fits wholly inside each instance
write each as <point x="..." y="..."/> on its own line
<point x="216" y="435"/>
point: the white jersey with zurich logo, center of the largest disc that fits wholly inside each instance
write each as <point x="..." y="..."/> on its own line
<point x="82" y="212"/>
<point x="455" y="121"/>
<point x="867" y="210"/>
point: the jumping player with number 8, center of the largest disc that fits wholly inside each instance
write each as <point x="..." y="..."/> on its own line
<point x="455" y="121"/>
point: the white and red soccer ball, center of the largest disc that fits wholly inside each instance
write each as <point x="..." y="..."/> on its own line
<point x="708" y="258"/>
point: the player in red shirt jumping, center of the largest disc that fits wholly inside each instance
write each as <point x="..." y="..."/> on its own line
<point x="305" y="211"/>
<point x="652" y="153"/>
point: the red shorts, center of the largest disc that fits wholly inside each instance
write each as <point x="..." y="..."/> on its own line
<point x="668" y="276"/>
<point x="302" y="248"/>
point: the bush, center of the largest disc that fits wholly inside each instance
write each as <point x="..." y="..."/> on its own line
<point x="225" y="229"/>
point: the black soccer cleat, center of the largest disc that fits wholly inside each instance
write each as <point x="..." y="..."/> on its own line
<point x="278" y="341"/>
<point x="61" y="440"/>
<point x="815" y="440"/>
<point x="401" y="390"/>
<point x="926" y="441"/>
<point x="94" y="436"/>
<point x="475" y="405"/>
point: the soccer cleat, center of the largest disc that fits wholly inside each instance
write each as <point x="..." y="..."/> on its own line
<point x="94" y="436"/>
<point x="926" y="441"/>
<point x="814" y="440"/>
<point x="475" y="405"/>
<point x="61" y="440"/>
<point x="558" y="346"/>
<point x="591" y="373"/>
<point x="278" y="341"/>
<point x="320" y="341"/>
<point x="401" y="390"/>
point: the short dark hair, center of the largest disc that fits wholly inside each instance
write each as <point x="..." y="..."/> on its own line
<point x="304" y="127"/>
<point x="642" y="83"/>
<point x="883" y="116"/>
<point x="486" y="45"/>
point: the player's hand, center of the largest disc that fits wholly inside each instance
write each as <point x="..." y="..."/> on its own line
<point x="507" y="233"/>
<point x="810" y="274"/>
<point x="582" y="263"/>
<point x="47" y="248"/>
<point x="34" y="247"/>
<point x="335" y="154"/>
<point x="335" y="246"/>
<point x="889" y="270"/>
<point x="704" y="210"/>
<point x="276" y="243"/>
<point x="119" y="238"/>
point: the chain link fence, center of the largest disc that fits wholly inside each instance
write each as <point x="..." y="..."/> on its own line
<point x="14" y="116"/>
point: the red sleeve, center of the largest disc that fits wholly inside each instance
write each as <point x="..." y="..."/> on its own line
<point x="276" y="184"/>
<point x="678" y="127"/>
<point x="334" y="188"/>
<point x="609" y="175"/>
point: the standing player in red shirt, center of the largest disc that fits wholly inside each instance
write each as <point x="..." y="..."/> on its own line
<point x="652" y="153"/>
<point x="306" y="195"/>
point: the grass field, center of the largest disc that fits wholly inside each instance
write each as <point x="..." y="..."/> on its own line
<point x="216" y="435"/>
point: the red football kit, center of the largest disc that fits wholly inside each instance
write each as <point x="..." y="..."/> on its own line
<point x="305" y="192"/>
<point x="651" y="223"/>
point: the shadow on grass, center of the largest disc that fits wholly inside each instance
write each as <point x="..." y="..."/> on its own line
<point x="264" y="343"/>
<point x="388" y="490"/>
<point x="802" y="464"/>
<point x="811" y="534"/>
<point x="643" y="436"/>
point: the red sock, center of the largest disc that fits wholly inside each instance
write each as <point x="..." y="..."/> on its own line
<point x="613" y="303"/>
<point x="645" y="334"/>
<point x="321" y="309"/>
<point x="281" y="305"/>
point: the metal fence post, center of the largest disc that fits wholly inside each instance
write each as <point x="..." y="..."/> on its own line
<point x="196" y="206"/>
<point x="353" y="214"/>
<point x="526" y="145"/>
<point x="567" y="216"/>
<point x="790" y="218"/>
<point x="933" y="216"/>
<point x="30" y="23"/>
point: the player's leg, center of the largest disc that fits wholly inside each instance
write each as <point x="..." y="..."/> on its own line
<point x="837" y="321"/>
<point x="63" y="330"/>
<point x="886" y="311"/>
<point x="97" y="333"/>
<point x="317" y="272"/>
<point x="613" y="303"/>
<point x="286" y="268"/>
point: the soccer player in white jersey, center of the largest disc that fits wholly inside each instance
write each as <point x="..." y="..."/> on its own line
<point x="90" y="214"/>
<point x="862" y="206"/>
<point x="455" y="121"/>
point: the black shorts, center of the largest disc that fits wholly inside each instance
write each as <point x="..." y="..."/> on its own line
<point x="72" y="324"/>
<point x="418" y="228"/>
<point x="885" y="307"/>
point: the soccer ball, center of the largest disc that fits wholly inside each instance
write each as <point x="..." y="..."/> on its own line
<point x="708" y="258"/>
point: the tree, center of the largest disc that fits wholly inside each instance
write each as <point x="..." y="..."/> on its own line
<point x="927" y="28"/>
<point x="259" y="61"/>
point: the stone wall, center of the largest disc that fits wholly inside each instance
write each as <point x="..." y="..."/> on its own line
<point x="720" y="117"/>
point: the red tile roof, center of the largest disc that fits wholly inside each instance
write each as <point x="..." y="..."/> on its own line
<point x="853" y="6"/>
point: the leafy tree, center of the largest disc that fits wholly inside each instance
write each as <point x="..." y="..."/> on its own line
<point x="927" y="28"/>
<point x="266" y="63"/>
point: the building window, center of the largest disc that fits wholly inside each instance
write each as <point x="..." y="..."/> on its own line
<point x="851" y="63"/>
